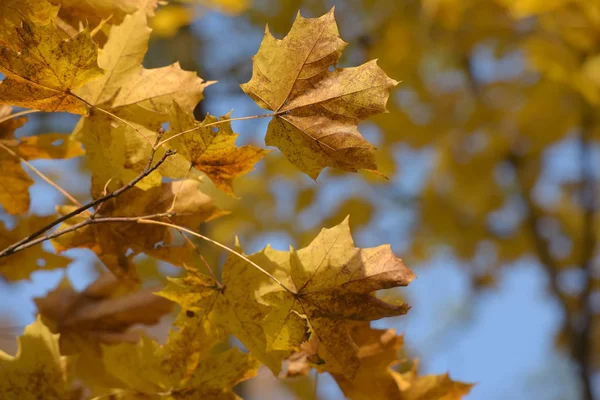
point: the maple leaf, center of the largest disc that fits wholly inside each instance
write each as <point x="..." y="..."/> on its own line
<point x="20" y="265"/>
<point x="92" y="12"/>
<point x="13" y="12"/>
<point x="328" y="283"/>
<point x="102" y="313"/>
<point x="127" y="83"/>
<point x="438" y="387"/>
<point x="213" y="153"/>
<point x="111" y="242"/>
<point x="317" y="110"/>
<point x="37" y="367"/>
<point x="149" y="369"/>
<point x="14" y="196"/>
<point x="42" y="74"/>
<point x="138" y="96"/>
<point x="378" y="352"/>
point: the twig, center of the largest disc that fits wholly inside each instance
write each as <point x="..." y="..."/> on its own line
<point x="41" y="175"/>
<point x="222" y="121"/>
<point x="229" y="250"/>
<point x="17" y="114"/>
<point x="147" y="171"/>
<point x="582" y="345"/>
<point x="89" y="221"/>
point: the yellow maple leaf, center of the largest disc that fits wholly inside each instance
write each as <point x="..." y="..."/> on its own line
<point x="213" y="153"/>
<point x="317" y="110"/>
<point x="140" y="97"/>
<point x="327" y="284"/>
<point x="110" y="242"/>
<point x="20" y="265"/>
<point x="430" y="387"/>
<point x="46" y="69"/>
<point x="91" y="12"/>
<point x="36" y="370"/>
<point x="14" y="11"/>
<point x="127" y="83"/>
<point x="237" y="309"/>
<point x="150" y="369"/>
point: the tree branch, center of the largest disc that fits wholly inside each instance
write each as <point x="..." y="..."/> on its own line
<point x="89" y="221"/>
<point x="147" y="171"/>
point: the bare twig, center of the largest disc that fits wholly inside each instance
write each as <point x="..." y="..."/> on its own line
<point x="222" y="121"/>
<point x="147" y="171"/>
<point x="89" y="221"/>
<point x="40" y="174"/>
<point x="221" y="245"/>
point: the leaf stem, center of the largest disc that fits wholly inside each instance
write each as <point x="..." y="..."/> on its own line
<point x="222" y="121"/>
<point x="17" y="114"/>
<point x="41" y="175"/>
<point x="218" y="244"/>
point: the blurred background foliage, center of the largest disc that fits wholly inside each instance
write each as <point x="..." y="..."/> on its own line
<point x="492" y="151"/>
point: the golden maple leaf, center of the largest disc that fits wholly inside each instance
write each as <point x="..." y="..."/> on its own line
<point x="327" y="284"/>
<point x="102" y="313"/>
<point x="14" y="11"/>
<point x="14" y="196"/>
<point x="149" y="368"/>
<point x="317" y="110"/>
<point x="213" y="153"/>
<point x="110" y="242"/>
<point x="37" y="368"/>
<point x="140" y="97"/>
<point x="46" y="69"/>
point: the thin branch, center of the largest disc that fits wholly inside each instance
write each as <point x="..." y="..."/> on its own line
<point x="113" y="116"/>
<point x="222" y="121"/>
<point x="147" y="171"/>
<point x="582" y="344"/>
<point x="229" y="250"/>
<point x="89" y="221"/>
<point x="17" y="114"/>
<point x="41" y="175"/>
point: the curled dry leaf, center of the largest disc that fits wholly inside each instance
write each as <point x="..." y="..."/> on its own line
<point x="47" y="68"/>
<point x="317" y="109"/>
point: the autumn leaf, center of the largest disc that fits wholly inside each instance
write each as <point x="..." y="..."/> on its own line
<point x="127" y="83"/>
<point x="42" y="74"/>
<point x="36" y="369"/>
<point x="103" y="313"/>
<point x="378" y="352"/>
<point x="428" y="387"/>
<point x="40" y="12"/>
<point x="149" y="368"/>
<point x="140" y="99"/>
<point x="14" y="196"/>
<point x="111" y="242"/>
<point x="212" y="152"/>
<point x="317" y="110"/>
<point x="20" y="265"/>
<point x="327" y="283"/>
<point x="91" y="12"/>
